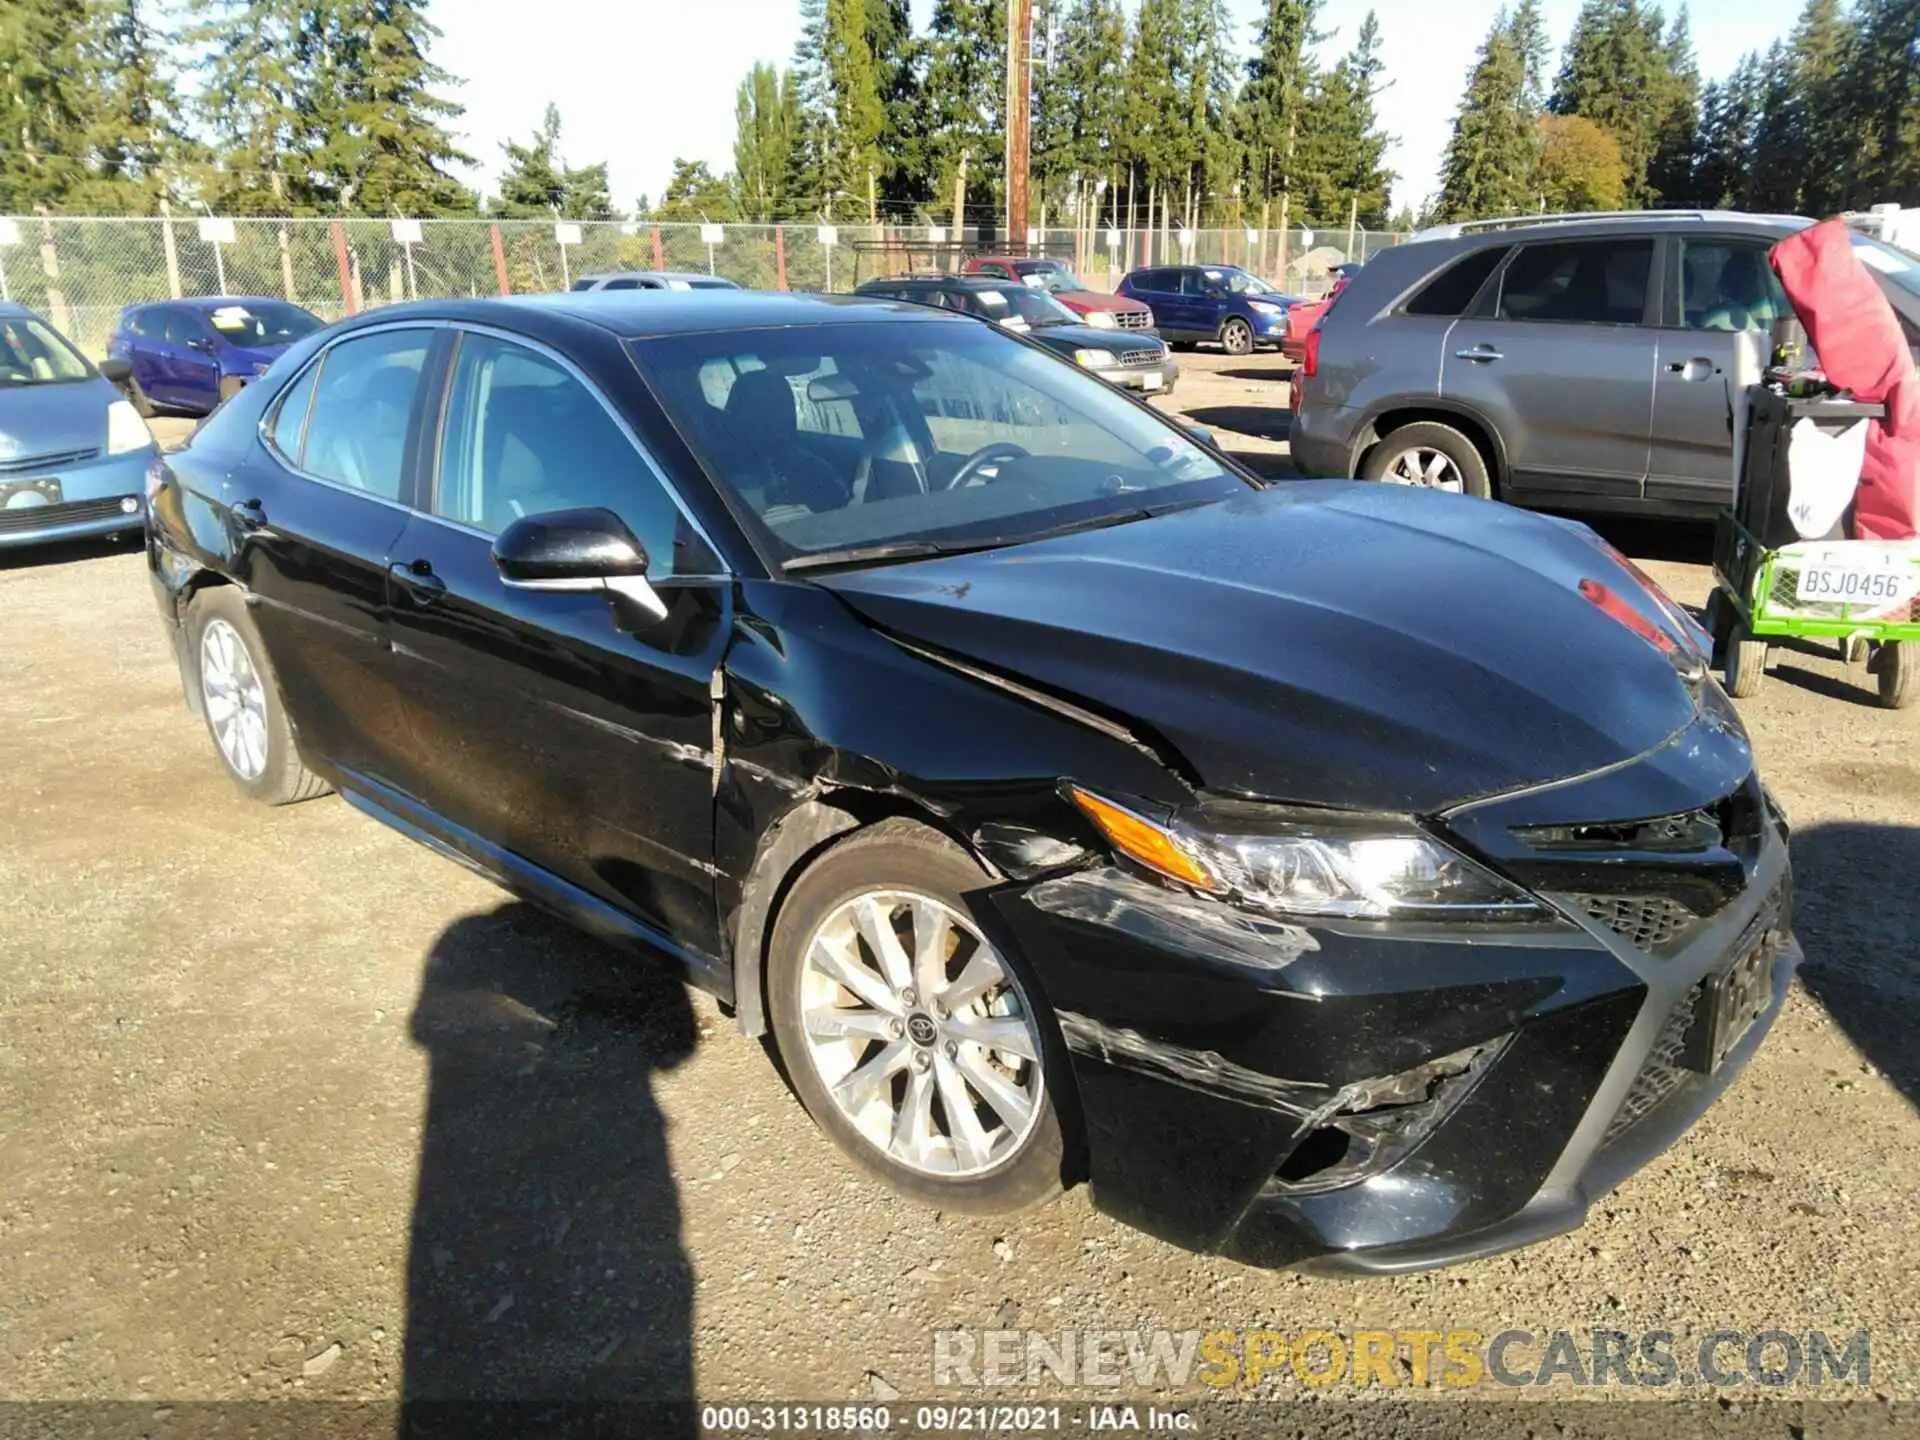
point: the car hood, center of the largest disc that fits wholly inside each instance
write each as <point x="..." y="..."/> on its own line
<point x="1076" y="337"/>
<point x="1330" y="643"/>
<point x="53" y="419"/>
<point x="1087" y="301"/>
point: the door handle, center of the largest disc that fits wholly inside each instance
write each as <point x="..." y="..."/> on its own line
<point x="416" y="577"/>
<point x="1479" y="352"/>
<point x="1698" y="368"/>
<point x="250" y="515"/>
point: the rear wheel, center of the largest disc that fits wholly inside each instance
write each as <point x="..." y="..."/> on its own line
<point x="1899" y="671"/>
<point x="1745" y="666"/>
<point x="1429" y="456"/>
<point x="1237" y="336"/>
<point x="911" y="1039"/>
<point x="241" y="702"/>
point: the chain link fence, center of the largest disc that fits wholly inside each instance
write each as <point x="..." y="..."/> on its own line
<point x="80" y="272"/>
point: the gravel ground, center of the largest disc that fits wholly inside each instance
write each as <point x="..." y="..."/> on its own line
<point x="292" y="1107"/>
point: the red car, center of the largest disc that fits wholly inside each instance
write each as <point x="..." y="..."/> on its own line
<point x="1056" y="277"/>
<point x="1304" y="315"/>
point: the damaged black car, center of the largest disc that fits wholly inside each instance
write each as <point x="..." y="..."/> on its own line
<point x="1328" y="875"/>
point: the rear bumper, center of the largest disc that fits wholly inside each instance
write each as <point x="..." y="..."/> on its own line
<point x="1320" y="442"/>
<point x="1211" y="1052"/>
<point x="106" y="497"/>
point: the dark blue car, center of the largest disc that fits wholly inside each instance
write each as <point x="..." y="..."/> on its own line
<point x="1193" y="303"/>
<point x="189" y="355"/>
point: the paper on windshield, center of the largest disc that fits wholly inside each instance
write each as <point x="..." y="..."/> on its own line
<point x="992" y="299"/>
<point x="230" y="317"/>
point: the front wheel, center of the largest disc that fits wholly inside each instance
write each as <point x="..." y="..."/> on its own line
<point x="1237" y="336"/>
<point x="240" y="700"/>
<point x="911" y="1039"/>
<point x="1899" y="672"/>
<point x="1429" y="456"/>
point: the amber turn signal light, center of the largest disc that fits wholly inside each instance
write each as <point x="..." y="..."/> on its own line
<point x="1140" y="839"/>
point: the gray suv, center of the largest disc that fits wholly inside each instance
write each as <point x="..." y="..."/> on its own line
<point x="1577" y="362"/>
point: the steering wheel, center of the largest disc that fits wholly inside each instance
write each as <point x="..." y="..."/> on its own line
<point x="998" y="450"/>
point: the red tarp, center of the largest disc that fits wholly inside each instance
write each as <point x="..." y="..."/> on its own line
<point x="1857" y="337"/>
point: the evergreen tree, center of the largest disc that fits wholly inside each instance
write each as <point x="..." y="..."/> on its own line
<point x="256" y="100"/>
<point x="766" y="118"/>
<point x="1084" y="96"/>
<point x="1880" y="91"/>
<point x="1774" y="180"/>
<point x="1676" y="135"/>
<point x="1274" y="101"/>
<point x="1821" y="48"/>
<point x="1342" y="165"/>
<point x="964" y="90"/>
<point x="45" y="105"/>
<point x="1489" y="163"/>
<point x="385" y="148"/>
<point x="1612" y="69"/>
<point x="537" y="181"/>
<point x="695" y="193"/>
<point x="1729" y="112"/>
<point x="1530" y="39"/>
<point x="841" y="95"/>
<point x="1204" y="76"/>
<point x="136" y="141"/>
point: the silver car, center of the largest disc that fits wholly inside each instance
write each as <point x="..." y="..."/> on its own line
<point x="1595" y="362"/>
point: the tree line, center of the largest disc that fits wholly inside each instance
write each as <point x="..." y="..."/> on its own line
<point x="1149" y="116"/>
<point x="1827" y="119"/>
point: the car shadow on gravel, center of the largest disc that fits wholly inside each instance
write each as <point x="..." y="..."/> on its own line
<point x="69" y="552"/>
<point x="1269" y="422"/>
<point x="545" y="1259"/>
<point x="1857" y="912"/>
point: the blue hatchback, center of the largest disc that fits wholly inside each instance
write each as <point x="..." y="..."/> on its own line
<point x="73" y="454"/>
<point x="1210" y="302"/>
<point x="190" y="355"/>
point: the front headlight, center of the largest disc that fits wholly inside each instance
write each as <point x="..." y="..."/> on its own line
<point x="1363" y="869"/>
<point x="126" y="431"/>
<point x="1266" y="307"/>
<point x="1096" y="359"/>
<point x="1101" y="319"/>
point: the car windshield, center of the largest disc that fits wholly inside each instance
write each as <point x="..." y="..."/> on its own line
<point x="913" y="437"/>
<point x="1052" y="278"/>
<point x="1035" y="307"/>
<point x="1239" y="282"/>
<point x="1896" y="264"/>
<point x="262" y="322"/>
<point x="31" y="353"/>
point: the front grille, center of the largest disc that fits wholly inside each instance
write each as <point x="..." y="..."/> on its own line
<point x="1132" y="358"/>
<point x="74" y="512"/>
<point x="1662" y="1074"/>
<point x="1650" y="922"/>
<point x="52" y="460"/>
<point x="1133" y="319"/>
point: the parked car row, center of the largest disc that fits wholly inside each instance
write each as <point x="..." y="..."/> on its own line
<point x="1063" y="801"/>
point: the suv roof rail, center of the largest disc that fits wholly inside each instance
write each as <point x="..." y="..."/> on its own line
<point x="1512" y="222"/>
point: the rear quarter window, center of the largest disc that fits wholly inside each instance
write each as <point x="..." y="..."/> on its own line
<point x="1451" y="291"/>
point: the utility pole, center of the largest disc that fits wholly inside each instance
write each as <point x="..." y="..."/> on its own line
<point x="960" y="197"/>
<point x="873" y="201"/>
<point x="1019" y="115"/>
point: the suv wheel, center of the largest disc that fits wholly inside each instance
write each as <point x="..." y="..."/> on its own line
<point x="241" y="702"/>
<point x="1432" y="457"/>
<point x="911" y="1039"/>
<point x="1237" y="336"/>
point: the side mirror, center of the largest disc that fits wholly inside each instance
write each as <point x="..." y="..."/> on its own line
<point x="590" y="550"/>
<point x="115" y="372"/>
<point x="202" y="344"/>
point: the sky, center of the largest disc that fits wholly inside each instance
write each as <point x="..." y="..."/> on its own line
<point x="639" y="85"/>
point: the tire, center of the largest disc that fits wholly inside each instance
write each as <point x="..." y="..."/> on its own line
<point x="1898" y="664"/>
<point x="1717" y="621"/>
<point x="141" y="404"/>
<point x="236" y="680"/>
<point x="1745" y="666"/>
<point x="1411" y="452"/>
<point x="1236" y="336"/>
<point x="891" y="871"/>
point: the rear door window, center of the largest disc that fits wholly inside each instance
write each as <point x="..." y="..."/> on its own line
<point x="1451" y="291"/>
<point x="1580" y="282"/>
<point x="362" y="406"/>
<point x="623" y="284"/>
<point x="182" y="328"/>
<point x="1728" y="285"/>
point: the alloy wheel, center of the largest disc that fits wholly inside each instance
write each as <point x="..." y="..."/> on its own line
<point x="1237" y="338"/>
<point x="236" y="699"/>
<point x="1426" y="467"/>
<point x="921" y="1035"/>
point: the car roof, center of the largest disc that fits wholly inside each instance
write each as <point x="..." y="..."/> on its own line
<point x="217" y="302"/>
<point x="1607" y="222"/>
<point x="944" y="282"/>
<point x="690" y="276"/>
<point x="632" y="315"/>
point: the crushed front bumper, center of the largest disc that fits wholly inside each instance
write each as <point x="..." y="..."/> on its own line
<point x="1221" y="1060"/>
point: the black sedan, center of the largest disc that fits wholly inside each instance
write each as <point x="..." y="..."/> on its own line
<point x="1331" y="874"/>
<point x="1130" y="360"/>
